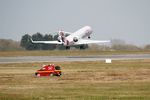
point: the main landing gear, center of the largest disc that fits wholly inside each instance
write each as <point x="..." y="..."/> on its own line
<point x="67" y="47"/>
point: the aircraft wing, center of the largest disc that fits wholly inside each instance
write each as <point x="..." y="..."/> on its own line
<point x="46" y="42"/>
<point x="83" y="41"/>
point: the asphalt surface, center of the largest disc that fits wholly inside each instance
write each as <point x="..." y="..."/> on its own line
<point x="29" y="59"/>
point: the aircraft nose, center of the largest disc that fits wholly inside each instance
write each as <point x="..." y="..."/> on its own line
<point x="89" y="29"/>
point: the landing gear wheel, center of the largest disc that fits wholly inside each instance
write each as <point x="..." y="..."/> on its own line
<point x="82" y="47"/>
<point x="59" y="75"/>
<point x="67" y="47"/>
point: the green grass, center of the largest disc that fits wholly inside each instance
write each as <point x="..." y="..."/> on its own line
<point x="67" y="53"/>
<point x="121" y="80"/>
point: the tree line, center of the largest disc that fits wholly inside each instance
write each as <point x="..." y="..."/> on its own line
<point x="28" y="45"/>
<point x="9" y="45"/>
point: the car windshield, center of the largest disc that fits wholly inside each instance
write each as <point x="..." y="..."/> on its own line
<point x="57" y="67"/>
<point x="42" y="69"/>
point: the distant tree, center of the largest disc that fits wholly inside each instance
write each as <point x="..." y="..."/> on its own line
<point x="9" y="45"/>
<point x="101" y="47"/>
<point x="82" y="47"/>
<point x="118" y="42"/>
<point x="125" y="47"/>
<point x="147" y="47"/>
<point x="28" y="45"/>
<point x="48" y="37"/>
<point x="26" y="42"/>
<point x="37" y="37"/>
<point x="55" y="37"/>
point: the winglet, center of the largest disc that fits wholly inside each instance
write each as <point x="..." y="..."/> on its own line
<point x="31" y="40"/>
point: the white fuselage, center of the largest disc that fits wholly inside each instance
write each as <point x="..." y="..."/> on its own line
<point x="79" y="34"/>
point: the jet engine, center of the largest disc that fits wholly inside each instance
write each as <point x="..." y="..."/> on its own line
<point x="75" y="39"/>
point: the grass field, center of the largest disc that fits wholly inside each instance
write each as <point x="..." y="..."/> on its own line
<point x="67" y="53"/>
<point x="121" y="80"/>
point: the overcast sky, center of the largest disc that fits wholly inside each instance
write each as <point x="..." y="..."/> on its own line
<point x="128" y="20"/>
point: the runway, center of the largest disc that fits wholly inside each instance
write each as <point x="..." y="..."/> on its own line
<point x="30" y="59"/>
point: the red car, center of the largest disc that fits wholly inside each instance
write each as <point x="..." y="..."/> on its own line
<point x="49" y="70"/>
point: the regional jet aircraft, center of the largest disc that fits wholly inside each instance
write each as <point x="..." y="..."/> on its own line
<point x="76" y="38"/>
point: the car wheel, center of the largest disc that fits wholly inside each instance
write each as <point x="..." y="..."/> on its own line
<point x="59" y="74"/>
<point x="38" y="75"/>
<point x="51" y="75"/>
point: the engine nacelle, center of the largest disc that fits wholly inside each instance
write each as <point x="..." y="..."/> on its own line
<point x="75" y="39"/>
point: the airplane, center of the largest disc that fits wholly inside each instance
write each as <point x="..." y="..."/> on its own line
<point x="76" y="38"/>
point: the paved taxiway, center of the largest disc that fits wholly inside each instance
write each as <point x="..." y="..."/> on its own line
<point x="29" y="59"/>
